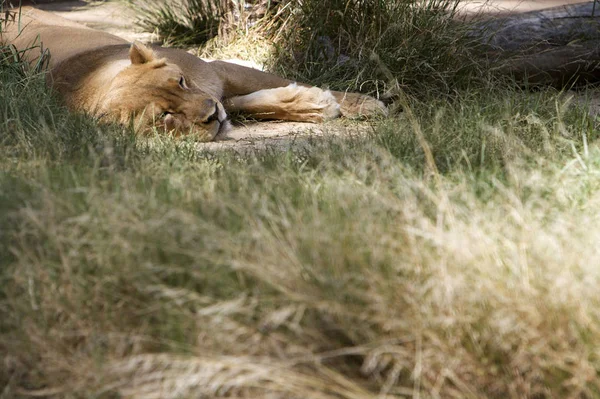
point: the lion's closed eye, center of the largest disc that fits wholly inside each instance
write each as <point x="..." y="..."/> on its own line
<point x="182" y="83"/>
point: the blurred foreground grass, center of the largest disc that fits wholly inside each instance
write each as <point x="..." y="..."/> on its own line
<point x="450" y="253"/>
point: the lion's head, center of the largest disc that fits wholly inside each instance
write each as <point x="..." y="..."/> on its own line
<point x="153" y="91"/>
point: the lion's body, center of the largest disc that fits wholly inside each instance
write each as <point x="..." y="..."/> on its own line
<point x="107" y="77"/>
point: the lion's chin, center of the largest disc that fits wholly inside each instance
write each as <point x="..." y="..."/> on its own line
<point x="212" y="131"/>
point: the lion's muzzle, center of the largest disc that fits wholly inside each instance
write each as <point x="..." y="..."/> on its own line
<point x="205" y="121"/>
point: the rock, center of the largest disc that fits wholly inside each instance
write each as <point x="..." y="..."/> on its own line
<point x="560" y="45"/>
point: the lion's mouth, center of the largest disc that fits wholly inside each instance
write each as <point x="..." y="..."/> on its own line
<point x="207" y="129"/>
<point x="224" y="127"/>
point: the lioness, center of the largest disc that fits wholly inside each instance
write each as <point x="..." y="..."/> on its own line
<point x="113" y="80"/>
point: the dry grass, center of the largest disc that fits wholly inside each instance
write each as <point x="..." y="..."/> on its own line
<point x="452" y="253"/>
<point x="250" y="47"/>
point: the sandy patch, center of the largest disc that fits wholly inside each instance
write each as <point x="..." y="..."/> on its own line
<point x="109" y="16"/>
<point x="507" y="7"/>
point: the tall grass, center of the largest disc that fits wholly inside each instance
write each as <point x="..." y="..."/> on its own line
<point x="376" y="46"/>
<point x="180" y="22"/>
<point x="452" y="253"/>
<point x="186" y="23"/>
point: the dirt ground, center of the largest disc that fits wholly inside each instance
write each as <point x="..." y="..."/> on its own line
<point x="505" y="7"/>
<point x="114" y="17"/>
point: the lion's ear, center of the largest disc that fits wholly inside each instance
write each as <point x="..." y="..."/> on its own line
<point x="140" y="53"/>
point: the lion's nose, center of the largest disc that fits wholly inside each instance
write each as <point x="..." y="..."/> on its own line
<point x="170" y="122"/>
<point x="214" y="116"/>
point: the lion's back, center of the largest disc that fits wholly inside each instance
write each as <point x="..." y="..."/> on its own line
<point x="38" y="29"/>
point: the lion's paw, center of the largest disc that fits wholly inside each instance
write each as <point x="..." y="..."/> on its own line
<point x="360" y="105"/>
<point x="311" y="104"/>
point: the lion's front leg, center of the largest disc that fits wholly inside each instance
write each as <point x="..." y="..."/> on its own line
<point x="268" y="96"/>
<point x="290" y="103"/>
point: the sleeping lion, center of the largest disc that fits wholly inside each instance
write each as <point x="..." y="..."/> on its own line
<point x="116" y="81"/>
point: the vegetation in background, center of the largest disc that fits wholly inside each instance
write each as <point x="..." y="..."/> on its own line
<point x="377" y="46"/>
<point x="195" y="22"/>
<point x="180" y="22"/>
<point x="450" y="253"/>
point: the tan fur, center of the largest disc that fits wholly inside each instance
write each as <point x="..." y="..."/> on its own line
<point x="280" y="103"/>
<point x="103" y="75"/>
